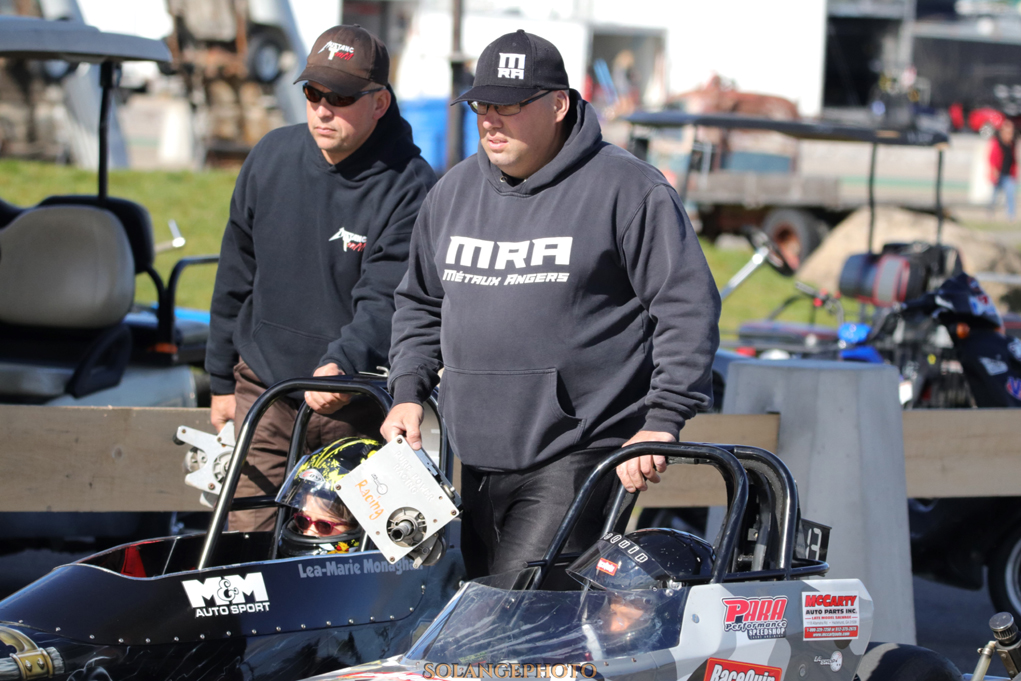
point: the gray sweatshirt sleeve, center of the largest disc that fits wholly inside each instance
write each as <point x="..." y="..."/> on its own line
<point x="669" y="273"/>
<point x="415" y="357"/>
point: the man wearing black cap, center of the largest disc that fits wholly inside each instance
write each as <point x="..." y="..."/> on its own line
<point x="558" y="282"/>
<point x="317" y="241"/>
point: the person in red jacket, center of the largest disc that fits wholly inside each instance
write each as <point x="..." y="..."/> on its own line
<point x="1003" y="167"/>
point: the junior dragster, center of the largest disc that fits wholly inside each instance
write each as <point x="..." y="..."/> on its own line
<point x="232" y="605"/>
<point x="664" y="605"/>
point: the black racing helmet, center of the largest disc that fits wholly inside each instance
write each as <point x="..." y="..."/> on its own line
<point x="654" y="558"/>
<point x="313" y="485"/>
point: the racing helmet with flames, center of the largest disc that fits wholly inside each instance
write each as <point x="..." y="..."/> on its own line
<point x="654" y="558"/>
<point x="312" y="489"/>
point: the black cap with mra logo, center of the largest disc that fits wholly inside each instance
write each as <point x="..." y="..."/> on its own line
<point x="515" y="67"/>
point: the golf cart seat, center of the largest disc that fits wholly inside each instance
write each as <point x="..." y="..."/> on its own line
<point x="134" y="218"/>
<point x="68" y="280"/>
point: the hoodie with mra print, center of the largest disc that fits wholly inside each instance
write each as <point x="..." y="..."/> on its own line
<point x="568" y="311"/>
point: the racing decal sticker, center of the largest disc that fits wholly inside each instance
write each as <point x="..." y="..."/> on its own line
<point x="731" y="670"/>
<point x="981" y="306"/>
<point x="352" y="241"/>
<point x="829" y="616"/>
<point x="835" y="661"/>
<point x="993" y="367"/>
<point x="313" y="476"/>
<point x="1015" y="348"/>
<point x="337" y="50"/>
<point x="607" y="566"/>
<point x="759" y="618"/>
<point x="340" y="568"/>
<point x="227" y="594"/>
<point x="628" y="546"/>
<point x="1014" y="387"/>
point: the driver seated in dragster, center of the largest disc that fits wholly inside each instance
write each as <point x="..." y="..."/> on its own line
<point x="319" y="522"/>
<point x="621" y="569"/>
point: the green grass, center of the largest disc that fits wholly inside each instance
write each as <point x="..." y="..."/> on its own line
<point x="199" y="202"/>
<point x="759" y="295"/>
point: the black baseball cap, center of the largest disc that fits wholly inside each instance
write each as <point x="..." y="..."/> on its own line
<point x="347" y="60"/>
<point x="515" y="67"/>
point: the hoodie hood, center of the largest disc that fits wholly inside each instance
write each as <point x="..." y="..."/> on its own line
<point x="583" y="141"/>
<point x="389" y="147"/>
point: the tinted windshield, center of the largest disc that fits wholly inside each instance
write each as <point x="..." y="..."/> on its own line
<point x="488" y="625"/>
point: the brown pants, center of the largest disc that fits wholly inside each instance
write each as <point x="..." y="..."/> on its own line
<point x="266" y="463"/>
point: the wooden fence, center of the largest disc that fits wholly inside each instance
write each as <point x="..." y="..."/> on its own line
<point x="124" y="459"/>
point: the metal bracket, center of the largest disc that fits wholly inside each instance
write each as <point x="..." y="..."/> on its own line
<point x="207" y="460"/>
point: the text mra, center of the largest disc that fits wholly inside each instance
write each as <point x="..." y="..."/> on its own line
<point x="514" y="252"/>
<point x="511" y="66"/>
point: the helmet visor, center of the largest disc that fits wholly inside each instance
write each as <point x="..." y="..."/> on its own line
<point x="617" y="565"/>
<point x="308" y="486"/>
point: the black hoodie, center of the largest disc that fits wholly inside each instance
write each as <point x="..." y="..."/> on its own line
<point x="312" y="253"/>
<point x="569" y="311"/>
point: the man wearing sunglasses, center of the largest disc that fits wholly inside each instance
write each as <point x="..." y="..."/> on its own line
<point x="317" y="241"/>
<point x="558" y="281"/>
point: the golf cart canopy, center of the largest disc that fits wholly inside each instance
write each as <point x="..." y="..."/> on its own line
<point x="30" y="38"/>
<point x="798" y="129"/>
<point x="801" y="130"/>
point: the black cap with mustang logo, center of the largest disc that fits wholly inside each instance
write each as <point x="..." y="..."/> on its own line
<point x="515" y="67"/>
<point x="347" y="60"/>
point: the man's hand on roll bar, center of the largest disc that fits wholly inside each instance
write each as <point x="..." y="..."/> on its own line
<point x="635" y="474"/>
<point x="327" y="403"/>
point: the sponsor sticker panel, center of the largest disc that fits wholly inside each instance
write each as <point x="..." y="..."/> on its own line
<point x="835" y="661"/>
<point x="758" y="618"/>
<point x="731" y="670"/>
<point x="830" y="616"/>
<point x="227" y="594"/>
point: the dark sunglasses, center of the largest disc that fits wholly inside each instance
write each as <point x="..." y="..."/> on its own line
<point x="482" y="108"/>
<point x="332" y="98"/>
<point x="323" y="527"/>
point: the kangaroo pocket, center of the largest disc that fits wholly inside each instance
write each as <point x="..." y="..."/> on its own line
<point x="506" y="420"/>
<point x="283" y="353"/>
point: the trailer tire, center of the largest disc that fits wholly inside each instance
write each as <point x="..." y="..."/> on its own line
<point x="797" y="232"/>
<point x="1005" y="574"/>
<point x="899" y="662"/>
<point x="265" y="50"/>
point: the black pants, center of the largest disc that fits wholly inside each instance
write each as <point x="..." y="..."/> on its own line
<point x="510" y="517"/>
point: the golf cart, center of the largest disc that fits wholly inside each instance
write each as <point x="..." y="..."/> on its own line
<point x="226" y="605"/>
<point x="70" y="331"/>
<point x="657" y="604"/>
<point x="795" y="210"/>
<point x="859" y="279"/>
